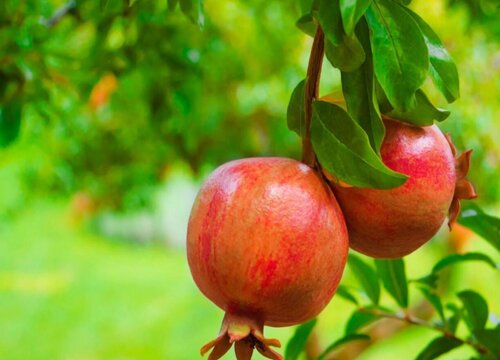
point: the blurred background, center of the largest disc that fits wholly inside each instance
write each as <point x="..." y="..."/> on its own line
<point x="109" y="121"/>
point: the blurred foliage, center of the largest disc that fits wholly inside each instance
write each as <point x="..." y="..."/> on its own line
<point x="110" y="98"/>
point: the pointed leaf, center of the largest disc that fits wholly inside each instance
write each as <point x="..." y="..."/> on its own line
<point x="193" y="9"/>
<point x="476" y="310"/>
<point x="393" y="275"/>
<point x="342" y="341"/>
<point x="400" y="55"/>
<point x="344" y="293"/>
<point x="487" y="226"/>
<point x="359" y="92"/>
<point x="428" y="280"/>
<point x="423" y="114"/>
<point x="298" y="341"/>
<point x="10" y="121"/>
<point x="358" y="320"/>
<point x="438" y="347"/>
<point x="351" y="11"/>
<point x="348" y="55"/>
<point x="435" y="301"/>
<point x="442" y="69"/>
<point x="296" y="113"/>
<point x="456" y="258"/>
<point x="343" y="148"/>
<point x="366" y="276"/>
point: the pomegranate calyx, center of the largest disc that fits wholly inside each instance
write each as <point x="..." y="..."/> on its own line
<point x="463" y="187"/>
<point x="247" y="334"/>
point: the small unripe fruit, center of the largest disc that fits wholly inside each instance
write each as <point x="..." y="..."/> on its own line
<point x="393" y="223"/>
<point x="267" y="243"/>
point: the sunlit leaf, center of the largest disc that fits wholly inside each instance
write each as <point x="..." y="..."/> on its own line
<point x="393" y="275"/>
<point x="442" y="69"/>
<point x="366" y="276"/>
<point x="400" y="55"/>
<point x="438" y="347"/>
<point x="342" y="341"/>
<point x="298" y="341"/>
<point x="487" y="226"/>
<point x="456" y="258"/>
<point x="343" y="148"/>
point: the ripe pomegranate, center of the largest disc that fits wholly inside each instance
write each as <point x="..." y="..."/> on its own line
<point x="267" y="243"/>
<point x="393" y="223"/>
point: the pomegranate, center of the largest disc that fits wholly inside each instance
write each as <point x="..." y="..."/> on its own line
<point x="267" y="243"/>
<point x="393" y="223"/>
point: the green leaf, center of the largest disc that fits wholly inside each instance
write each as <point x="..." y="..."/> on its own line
<point x="455" y="258"/>
<point x="351" y="11"/>
<point x="296" y="113"/>
<point x="193" y="9"/>
<point x="490" y="339"/>
<point x="393" y="275"/>
<point x="437" y="347"/>
<point x="345" y="294"/>
<point x="346" y="339"/>
<point x="172" y="4"/>
<point x="423" y="114"/>
<point x="10" y="121"/>
<point x="454" y="319"/>
<point x="476" y="310"/>
<point x="435" y="301"/>
<point x="366" y="276"/>
<point x="348" y="55"/>
<point x="343" y="148"/>
<point x="359" y="92"/>
<point x="429" y="280"/>
<point x="442" y="69"/>
<point x="400" y="55"/>
<point x="299" y="339"/>
<point x="330" y="20"/>
<point x="487" y="226"/>
<point x="358" y="320"/>
<point x="307" y="24"/>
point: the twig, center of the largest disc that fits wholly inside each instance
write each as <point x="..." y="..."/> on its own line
<point x="312" y="92"/>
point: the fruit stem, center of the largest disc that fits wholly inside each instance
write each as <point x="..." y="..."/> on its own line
<point x="312" y="93"/>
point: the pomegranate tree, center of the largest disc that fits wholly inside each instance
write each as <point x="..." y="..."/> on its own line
<point x="395" y="222"/>
<point x="267" y="243"/>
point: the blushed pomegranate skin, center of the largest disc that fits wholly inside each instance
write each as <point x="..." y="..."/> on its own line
<point x="394" y="223"/>
<point x="266" y="242"/>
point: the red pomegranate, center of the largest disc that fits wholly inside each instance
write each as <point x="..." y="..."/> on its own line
<point x="393" y="223"/>
<point x="267" y="243"/>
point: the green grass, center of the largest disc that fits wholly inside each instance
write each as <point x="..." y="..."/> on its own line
<point x="66" y="293"/>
